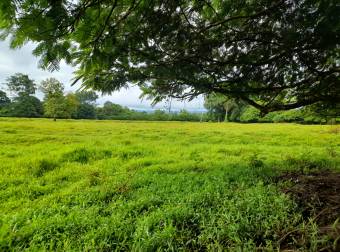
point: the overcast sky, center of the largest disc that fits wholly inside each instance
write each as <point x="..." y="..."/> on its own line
<point x="22" y="61"/>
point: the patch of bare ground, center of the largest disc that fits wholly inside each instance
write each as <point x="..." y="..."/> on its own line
<point x="318" y="196"/>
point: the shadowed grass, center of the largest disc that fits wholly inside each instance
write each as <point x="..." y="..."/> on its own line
<point x="146" y="186"/>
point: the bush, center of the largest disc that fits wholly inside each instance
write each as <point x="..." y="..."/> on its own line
<point x="250" y="114"/>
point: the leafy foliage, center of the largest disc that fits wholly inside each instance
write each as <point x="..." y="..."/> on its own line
<point x="275" y="55"/>
<point x="25" y="106"/>
<point x="56" y="104"/>
<point x="54" y="100"/>
<point x="223" y="108"/>
<point x="86" y="97"/>
<point x="4" y="100"/>
<point x="86" y="111"/>
<point x="71" y="106"/>
<point x="324" y="110"/>
<point x="20" y="85"/>
<point x="215" y="105"/>
<point x="117" y="112"/>
<point x="306" y="115"/>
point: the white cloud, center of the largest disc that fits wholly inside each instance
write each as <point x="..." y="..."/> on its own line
<point x="22" y="61"/>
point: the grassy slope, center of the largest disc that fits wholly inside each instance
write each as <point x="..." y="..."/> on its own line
<point x="147" y="185"/>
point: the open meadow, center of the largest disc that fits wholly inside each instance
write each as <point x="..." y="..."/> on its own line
<point x="78" y="185"/>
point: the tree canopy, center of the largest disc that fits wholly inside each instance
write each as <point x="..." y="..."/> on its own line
<point x="86" y="97"/>
<point x="54" y="99"/>
<point x="224" y="108"/>
<point x="25" y="106"/>
<point x="23" y="103"/>
<point x="275" y="55"/>
<point x="20" y="85"/>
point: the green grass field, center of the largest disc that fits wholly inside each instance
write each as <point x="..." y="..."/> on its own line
<point x="147" y="186"/>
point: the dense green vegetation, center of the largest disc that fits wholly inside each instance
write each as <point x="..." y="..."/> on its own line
<point x="82" y="105"/>
<point x="274" y="55"/>
<point x="104" y="185"/>
<point x="223" y="108"/>
<point x="78" y="105"/>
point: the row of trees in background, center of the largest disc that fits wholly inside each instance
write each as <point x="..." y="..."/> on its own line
<point x="111" y="111"/>
<point x="23" y="102"/>
<point x="82" y="105"/>
<point x="224" y="108"/>
<point x="56" y="104"/>
<point x="77" y="105"/>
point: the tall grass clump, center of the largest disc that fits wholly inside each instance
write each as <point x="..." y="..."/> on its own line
<point x="39" y="167"/>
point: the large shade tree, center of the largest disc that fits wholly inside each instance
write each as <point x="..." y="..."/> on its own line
<point x="86" y="97"/>
<point x="20" y="85"/>
<point x="275" y="55"/>
<point x="23" y="104"/>
<point x="224" y="108"/>
<point x="55" y="105"/>
<point x="87" y="100"/>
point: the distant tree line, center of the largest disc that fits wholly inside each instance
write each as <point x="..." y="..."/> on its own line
<point x="224" y="108"/>
<point x="17" y="99"/>
<point x="56" y="104"/>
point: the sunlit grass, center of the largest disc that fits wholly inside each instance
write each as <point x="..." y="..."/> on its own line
<point x="143" y="186"/>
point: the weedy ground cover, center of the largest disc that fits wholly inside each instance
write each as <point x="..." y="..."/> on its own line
<point x="146" y="186"/>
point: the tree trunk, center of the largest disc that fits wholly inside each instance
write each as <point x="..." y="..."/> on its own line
<point x="226" y="113"/>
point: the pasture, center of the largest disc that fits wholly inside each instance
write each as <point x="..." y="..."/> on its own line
<point x="146" y="186"/>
